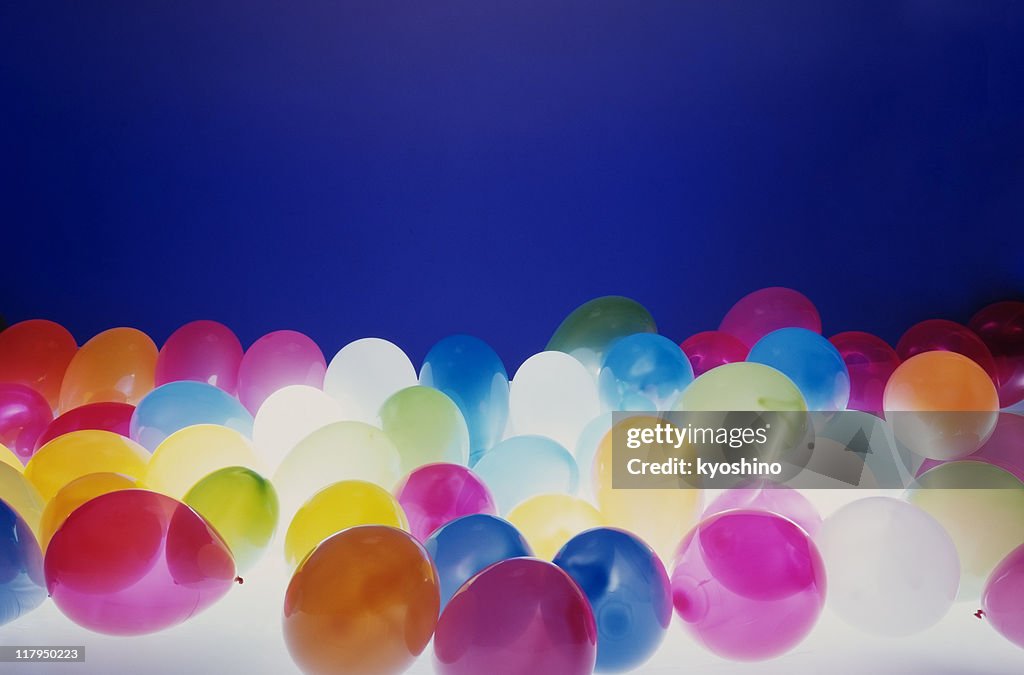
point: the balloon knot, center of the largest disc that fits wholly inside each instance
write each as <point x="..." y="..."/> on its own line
<point x="980" y="613"/>
<point x="239" y="580"/>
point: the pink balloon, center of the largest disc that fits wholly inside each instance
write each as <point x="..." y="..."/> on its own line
<point x="940" y="335"/>
<point x="204" y="351"/>
<point x="24" y="415"/>
<point x="778" y="499"/>
<point x="106" y="416"/>
<point x="748" y="585"/>
<point x="711" y="349"/>
<point x="436" y="494"/>
<point x="275" y="361"/>
<point x="1001" y="327"/>
<point x="1004" y="448"/>
<point x="870" y="361"/>
<point x="1003" y="597"/>
<point x="769" y="309"/>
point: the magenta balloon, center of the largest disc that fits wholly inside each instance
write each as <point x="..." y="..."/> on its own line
<point x="275" y="361"/>
<point x="436" y="494"/>
<point x="1003" y="597"/>
<point x="205" y="351"/>
<point x="870" y="361"/>
<point x="711" y="349"/>
<point x="778" y="499"/>
<point x="521" y="615"/>
<point x="940" y="335"/>
<point x="1001" y="327"/>
<point x="1004" y="448"/>
<point x="748" y="585"/>
<point x="106" y="416"/>
<point x="24" y="416"/>
<point x="769" y="309"/>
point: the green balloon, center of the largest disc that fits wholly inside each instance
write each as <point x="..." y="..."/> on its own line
<point x="742" y="386"/>
<point x="426" y="426"/>
<point x="589" y="331"/>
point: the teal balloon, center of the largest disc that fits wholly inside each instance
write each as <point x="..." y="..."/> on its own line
<point x="181" y="404"/>
<point x="813" y="364"/>
<point x="521" y="467"/>
<point x="590" y="330"/>
<point x="645" y="371"/>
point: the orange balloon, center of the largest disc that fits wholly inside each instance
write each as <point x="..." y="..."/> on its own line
<point x="73" y="495"/>
<point x="36" y="353"/>
<point x="364" y="601"/>
<point x="117" y="365"/>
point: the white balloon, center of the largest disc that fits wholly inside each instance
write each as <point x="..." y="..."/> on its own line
<point x="892" y="568"/>
<point x="365" y="373"/>
<point x="553" y="395"/>
<point x="289" y="415"/>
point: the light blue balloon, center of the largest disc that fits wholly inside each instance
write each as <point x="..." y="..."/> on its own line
<point x="523" y="466"/>
<point x="645" y="371"/>
<point x="177" y="405"/>
<point x="810" y="361"/>
<point x="471" y="374"/>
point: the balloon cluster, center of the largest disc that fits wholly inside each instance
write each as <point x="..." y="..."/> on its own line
<point x="475" y="510"/>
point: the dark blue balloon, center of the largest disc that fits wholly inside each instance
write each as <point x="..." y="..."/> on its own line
<point x="628" y="590"/>
<point x="812" y="362"/>
<point x="22" y="584"/>
<point x="469" y="544"/>
<point x="471" y="374"/>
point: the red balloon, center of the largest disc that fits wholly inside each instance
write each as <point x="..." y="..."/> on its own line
<point x="107" y="416"/>
<point x="940" y="335"/>
<point x="24" y="415"/>
<point x="36" y="353"/>
<point x="1001" y="327"/>
<point x="711" y="349"/>
<point x="204" y="351"/>
<point x="870" y="361"/>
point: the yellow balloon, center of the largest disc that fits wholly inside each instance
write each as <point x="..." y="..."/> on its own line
<point x="73" y="495"/>
<point x="548" y="521"/>
<point x="80" y="453"/>
<point x="190" y="454"/>
<point x="7" y="457"/>
<point x="21" y="496"/>
<point x="338" y="507"/>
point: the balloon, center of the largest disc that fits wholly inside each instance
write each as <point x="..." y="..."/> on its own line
<point x="116" y="365"/>
<point x="586" y="449"/>
<point x="176" y="405"/>
<point x="810" y="361"/>
<point x="1003" y="598"/>
<point x="36" y="353"/>
<point x="24" y="416"/>
<point x="22" y="587"/>
<point x="276" y="360"/>
<point x="192" y="453"/>
<point x="114" y="417"/>
<point x="1004" y="448"/>
<point x="73" y="495"/>
<point x="201" y="351"/>
<point x="74" y="455"/>
<point x="436" y="494"/>
<point x="426" y="426"/>
<point x="947" y="336"/>
<point x="762" y="496"/>
<point x="552" y="395"/>
<point x="133" y="562"/>
<point x="337" y="507"/>
<point x="628" y="591"/>
<point x="289" y="415"/>
<point x="468" y="545"/>
<point x="467" y="370"/>
<point x="941" y="405"/>
<point x="711" y="349"/>
<point x="548" y="521"/>
<point x="982" y="508"/>
<point x="643" y="372"/>
<point x="737" y="574"/>
<point x="594" y="326"/>
<point x="742" y="386"/>
<point x="523" y="466"/>
<point x="1001" y="327"/>
<point x="10" y="459"/>
<point x="241" y="505"/>
<point x="769" y="309"/>
<point x="21" y="496"/>
<point x="336" y="452"/>
<point x="365" y="601"/>
<point x="525" y="614"/>
<point x="892" y="569"/>
<point x="365" y="373"/>
<point x="871" y="362"/>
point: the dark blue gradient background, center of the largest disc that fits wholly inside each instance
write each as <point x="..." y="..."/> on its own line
<point x="409" y="170"/>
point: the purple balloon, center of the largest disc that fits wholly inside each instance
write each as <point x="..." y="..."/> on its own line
<point x="1003" y="597"/>
<point x="870" y="361"/>
<point x="275" y="361"/>
<point x="748" y="585"/>
<point x="767" y="310"/>
<point x="1004" y="448"/>
<point x="436" y="494"/>
<point x="711" y="349"/>
<point x="204" y="351"/>
<point x="24" y="416"/>
<point x="778" y="499"/>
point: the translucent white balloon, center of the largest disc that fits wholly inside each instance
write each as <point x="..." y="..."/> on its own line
<point x="289" y="415"/>
<point x="892" y="568"/>
<point x="586" y="449"/>
<point x="365" y="373"/>
<point x="553" y="395"/>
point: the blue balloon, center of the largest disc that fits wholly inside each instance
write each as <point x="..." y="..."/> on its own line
<point x="177" y="405"/>
<point x="471" y="374"/>
<point x="628" y="590"/>
<point x="645" y="371"/>
<point x="815" y="366"/>
<point x="467" y="545"/>
<point x="22" y="584"/>
<point x="523" y="466"/>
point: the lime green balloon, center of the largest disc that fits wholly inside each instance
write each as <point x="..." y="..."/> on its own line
<point x="742" y="386"/>
<point x="242" y="506"/>
<point x="591" y="328"/>
<point x="426" y="426"/>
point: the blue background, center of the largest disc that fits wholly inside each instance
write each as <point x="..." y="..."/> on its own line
<point x="409" y="170"/>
